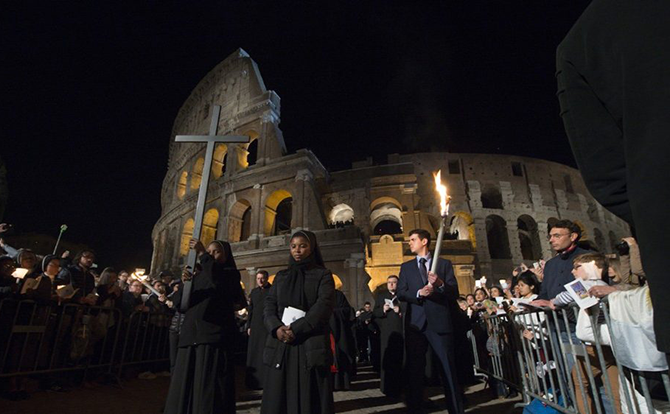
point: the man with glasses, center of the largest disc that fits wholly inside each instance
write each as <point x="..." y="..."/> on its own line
<point x="563" y="238"/>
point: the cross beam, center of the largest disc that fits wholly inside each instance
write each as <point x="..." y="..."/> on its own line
<point x="211" y="140"/>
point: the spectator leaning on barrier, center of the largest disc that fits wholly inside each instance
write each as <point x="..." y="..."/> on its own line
<point x="79" y="275"/>
<point x="8" y="286"/>
<point x="563" y="238"/>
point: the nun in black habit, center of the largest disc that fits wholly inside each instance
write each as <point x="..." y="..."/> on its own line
<point x="203" y="380"/>
<point x="298" y="355"/>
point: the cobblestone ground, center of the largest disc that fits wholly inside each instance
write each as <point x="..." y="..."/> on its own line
<point x="147" y="397"/>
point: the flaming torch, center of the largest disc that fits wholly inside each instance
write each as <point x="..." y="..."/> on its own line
<point x="444" y="212"/>
<point x="139" y="275"/>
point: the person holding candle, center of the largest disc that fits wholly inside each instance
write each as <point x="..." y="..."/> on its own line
<point x="203" y="379"/>
<point x="430" y="299"/>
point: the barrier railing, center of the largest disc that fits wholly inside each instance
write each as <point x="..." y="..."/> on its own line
<point x="39" y="338"/>
<point x="565" y="360"/>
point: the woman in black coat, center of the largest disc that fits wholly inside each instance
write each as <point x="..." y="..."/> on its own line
<point x="203" y="380"/>
<point x="298" y="354"/>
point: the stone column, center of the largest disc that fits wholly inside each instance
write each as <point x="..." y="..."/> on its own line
<point x="479" y="224"/>
<point x="507" y="194"/>
<point x="257" y="209"/>
<point x="514" y="242"/>
<point x="300" y="199"/>
<point x="543" y="234"/>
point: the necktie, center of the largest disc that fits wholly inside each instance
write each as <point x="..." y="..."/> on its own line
<point x="423" y="271"/>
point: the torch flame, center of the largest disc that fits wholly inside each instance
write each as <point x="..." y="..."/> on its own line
<point x="442" y="190"/>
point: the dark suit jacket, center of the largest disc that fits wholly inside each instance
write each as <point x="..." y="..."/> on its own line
<point x="437" y="307"/>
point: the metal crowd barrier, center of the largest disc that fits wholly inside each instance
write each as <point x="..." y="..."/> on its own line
<point x="539" y="353"/>
<point x="41" y="338"/>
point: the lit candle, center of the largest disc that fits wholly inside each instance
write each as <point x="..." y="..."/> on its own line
<point x="444" y="212"/>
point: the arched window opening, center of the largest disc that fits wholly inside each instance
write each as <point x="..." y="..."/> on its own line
<point x="252" y="152"/>
<point x="246" y="225"/>
<point x="209" y="226"/>
<point x="239" y="221"/>
<point x="196" y="174"/>
<point x="387" y="227"/>
<point x="186" y="235"/>
<point x="491" y="198"/>
<point x="385" y="212"/>
<point x="459" y="227"/>
<point x="496" y="234"/>
<point x="181" y="185"/>
<point x="283" y="217"/>
<point x="219" y="160"/>
<point x="529" y="238"/>
<point x="278" y="213"/>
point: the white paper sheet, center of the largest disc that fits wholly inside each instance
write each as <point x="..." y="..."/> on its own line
<point x="579" y="290"/>
<point x="291" y="315"/>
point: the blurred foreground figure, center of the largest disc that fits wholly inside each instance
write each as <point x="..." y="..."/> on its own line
<point x="613" y="72"/>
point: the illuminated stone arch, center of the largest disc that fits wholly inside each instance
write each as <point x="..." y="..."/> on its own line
<point x="219" y="160"/>
<point x="496" y="235"/>
<point x="341" y="214"/>
<point x="248" y="153"/>
<point x="462" y="222"/>
<point x="239" y="221"/>
<point x="386" y="216"/>
<point x="492" y="197"/>
<point x="529" y="238"/>
<point x="186" y="234"/>
<point x="181" y="184"/>
<point x="209" y="225"/>
<point x="196" y="173"/>
<point x="278" y="213"/>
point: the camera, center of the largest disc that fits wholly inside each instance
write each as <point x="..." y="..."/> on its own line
<point x="623" y="248"/>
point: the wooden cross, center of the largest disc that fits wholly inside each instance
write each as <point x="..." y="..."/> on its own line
<point x="211" y="140"/>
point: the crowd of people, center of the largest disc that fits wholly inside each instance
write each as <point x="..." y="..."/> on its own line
<point x="531" y="292"/>
<point x="319" y="352"/>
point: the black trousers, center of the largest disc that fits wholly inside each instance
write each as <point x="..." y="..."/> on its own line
<point x="417" y="343"/>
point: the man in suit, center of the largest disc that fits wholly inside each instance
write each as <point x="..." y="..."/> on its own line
<point x="430" y="298"/>
<point x="613" y="72"/>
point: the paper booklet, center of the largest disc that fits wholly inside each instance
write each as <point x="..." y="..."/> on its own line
<point x="291" y="315"/>
<point x="391" y="302"/>
<point x="30" y="284"/>
<point x="579" y="290"/>
<point x="66" y="291"/>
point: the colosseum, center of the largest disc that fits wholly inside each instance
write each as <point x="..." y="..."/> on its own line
<point x="259" y="193"/>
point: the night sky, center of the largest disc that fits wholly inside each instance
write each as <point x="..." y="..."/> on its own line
<point x="89" y="93"/>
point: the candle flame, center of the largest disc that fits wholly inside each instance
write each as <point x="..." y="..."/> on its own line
<point x="442" y="190"/>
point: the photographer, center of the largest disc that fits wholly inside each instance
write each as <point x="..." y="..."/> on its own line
<point x="630" y="263"/>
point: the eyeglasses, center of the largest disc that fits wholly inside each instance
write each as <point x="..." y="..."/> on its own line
<point x="557" y="236"/>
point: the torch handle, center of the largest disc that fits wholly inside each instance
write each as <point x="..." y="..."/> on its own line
<point x="438" y="244"/>
<point x="58" y="241"/>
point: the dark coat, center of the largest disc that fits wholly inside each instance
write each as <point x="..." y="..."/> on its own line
<point x="612" y="72"/>
<point x="298" y="374"/>
<point x="215" y="295"/>
<point x="558" y="272"/>
<point x="392" y="343"/>
<point x="437" y="307"/>
<point x="311" y="331"/>
<point x="255" y="367"/>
